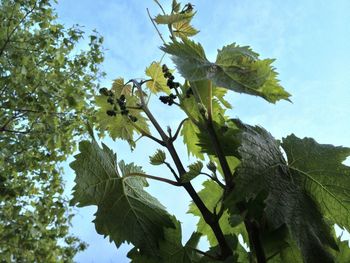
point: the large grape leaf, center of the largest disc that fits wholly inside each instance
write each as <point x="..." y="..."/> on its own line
<point x="236" y="68"/>
<point x="263" y="169"/>
<point x="125" y="212"/>
<point x="321" y="172"/>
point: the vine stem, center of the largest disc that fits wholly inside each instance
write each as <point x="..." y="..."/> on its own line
<point x="213" y="136"/>
<point x="208" y="216"/>
<point x="252" y="228"/>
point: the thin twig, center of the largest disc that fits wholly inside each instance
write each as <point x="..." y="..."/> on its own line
<point x="160" y="6"/>
<point x="15" y="28"/>
<point x="173" y="138"/>
<point x="155" y="26"/>
<point x="172" y="170"/>
<point x="215" y="179"/>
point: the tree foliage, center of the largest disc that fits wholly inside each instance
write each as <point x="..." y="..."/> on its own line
<point x="46" y="93"/>
<point x="284" y="206"/>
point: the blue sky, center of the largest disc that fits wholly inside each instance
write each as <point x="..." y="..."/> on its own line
<point x="309" y="38"/>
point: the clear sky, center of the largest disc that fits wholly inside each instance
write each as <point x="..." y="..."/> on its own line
<point x="309" y="38"/>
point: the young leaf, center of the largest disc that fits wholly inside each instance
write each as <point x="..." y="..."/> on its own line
<point x="319" y="169"/>
<point x="194" y="170"/>
<point x="158" y="82"/>
<point x="170" y="19"/>
<point x="183" y="29"/>
<point x="119" y="198"/>
<point x="158" y="158"/>
<point x="175" y="6"/>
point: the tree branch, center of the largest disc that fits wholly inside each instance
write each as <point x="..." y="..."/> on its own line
<point x="15" y="28"/>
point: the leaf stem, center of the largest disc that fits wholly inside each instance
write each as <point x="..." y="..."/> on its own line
<point x="146" y="134"/>
<point x="161" y="179"/>
<point x="215" y="141"/>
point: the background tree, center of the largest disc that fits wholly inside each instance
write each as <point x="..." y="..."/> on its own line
<point x="46" y="88"/>
<point x="283" y="206"/>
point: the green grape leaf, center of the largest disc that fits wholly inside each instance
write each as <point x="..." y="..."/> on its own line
<point x="125" y="212"/>
<point x="120" y="126"/>
<point x="173" y="18"/>
<point x="263" y="169"/>
<point x="211" y="195"/>
<point x="171" y="249"/>
<point x="158" y="82"/>
<point x="344" y="252"/>
<point x="189" y="58"/>
<point x="320" y="170"/>
<point x="183" y="29"/>
<point x="175" y="6"/>
<point x="189" y="132"/>
<point x="236" y="68"/>
<point x="158" y="158"/>
<point x="227" y="139"/>
<point x="194" y="170"/>
<point x="119" y="88"/>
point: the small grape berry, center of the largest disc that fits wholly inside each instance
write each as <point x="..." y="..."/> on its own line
<point x="124" y="112"/>
<point x="103" y="91"/>
<point x="110" y="100"/>
<point x="111" y="113"/>
<point x="132" y="118"/>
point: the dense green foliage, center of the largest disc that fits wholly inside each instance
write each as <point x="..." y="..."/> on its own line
<point x="46" y="88"/>
<point x="283" y="197"/>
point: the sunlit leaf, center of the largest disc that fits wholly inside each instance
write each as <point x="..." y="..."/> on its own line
<point x="158" y="82"/>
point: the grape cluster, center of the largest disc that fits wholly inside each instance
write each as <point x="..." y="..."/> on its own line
<point x="170" y="82"/>
<point x="118" y="103"/>
<point x="168" y="99"/>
